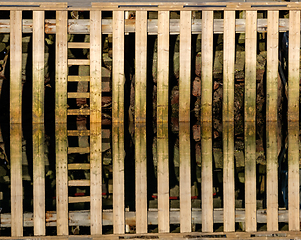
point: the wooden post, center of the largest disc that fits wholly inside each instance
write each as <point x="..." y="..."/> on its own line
<point x="272" y="176"/>
<point x="207" y="179"/>
<point x="185" y="177"/>
<point x="293" y="176"/>
<point x="140" y="66"/>
<point x="185" y="66"/>
<point x="118" y="77"/>
<point x="163" y="67"/>
<point x="141" y="178"/>
<point x="207" y="65"/>
<point x="163" y="177"/>
<point x="38" y="120"/>
<point x="118" y="155"/>
<point x="250" y="121"/>
<point x="15" y="123"/>
<point x="293" y="66"/>
<point x="272" y="66"/>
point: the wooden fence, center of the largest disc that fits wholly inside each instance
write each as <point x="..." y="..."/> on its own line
<point x="118" y="26"/>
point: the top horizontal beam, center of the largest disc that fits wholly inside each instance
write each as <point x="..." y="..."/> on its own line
<point x="35" y="6"/>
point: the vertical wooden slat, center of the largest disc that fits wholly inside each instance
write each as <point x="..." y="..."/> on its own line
<point x="228" y="122"/>
<point x="37" y="119"/>
<point x="95" y="124"/>
<point x="118" y="155"/>
<point x="61" y="67"/>
<point x="185" y="66"/>
<point x="15" y="123"/>
<point x="207" y="179"/>
<point x="250" y="120"/>
<point x="272" y="176"/>
<point x="61" y="128"/>
<point x="293" y="66"/>
<point x="163" y="177"/>
<point x="185" y="177"/>
<point x="293" y="177"/>
<point x="207" y="65"/>
<point x="118" y="77"/>
<point x="141" y="178"/>
<point x="272" y="66"/>
<point x="140" y="66"/>
<point x="163" y="66"/>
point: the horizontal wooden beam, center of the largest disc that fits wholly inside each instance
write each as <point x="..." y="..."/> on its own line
<point x="82" y="26"/>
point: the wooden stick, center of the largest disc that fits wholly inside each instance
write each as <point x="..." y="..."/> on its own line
<point x="207" y="180"/>
<point x="118" y="177"/>
<point x="293" y="66"/>
<point x="185" y="66"/>
<point x="15" y="123"/>
<point x="272" y="66"/>
<point x="140" y="66"/>
<point x="118" y="77"/>
<point x="140" y="178"/>
<point x="207" y="65"/>
<point x="163" y="177"/>
<point x="272" y="177"/>
<point x="185" y="177"/>
<point x="163" y="67"/>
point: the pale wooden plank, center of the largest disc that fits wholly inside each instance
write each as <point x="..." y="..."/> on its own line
<point x="78" y="78"/>
<point x="293" y="66"/>
<point x="61" y="67"/>
<point x="185" y="177"/>
<point x="118" y="155"/>
<point x="96" y="178"/>
<point x="15" y="123"/>
<point x="78" y="149"/>
<point x="140" y="66"/>
<point x="80" y="200"/>
<point x="79" y="62"/>
<point x="185" y="66"/>
<point x="38" y="140"/>
<point x="78" y="166"/>
<point x="163" y="177"/>
<point x="228" y="122"/>
<point x="118" y="77"/>
<point x="78" y="95"/>
<point x="250" y="177"/>
<point x="80" y="44"/>
<point x="80" y="183"/>
<point x="163" y="66"/>
<point x="250" y="66"/>
<point x="61" y="178"/>
<point x="272" y="176"/>
<point x="293" y="176"/>
<point x="207" y="65"/>
<point x="16" y="180"/>
<point x="140" y="178"/>
<point x="272" y="66"/>
<point x="95" y="67"/>
<point x="228" y="177"/>
<point x="207" y="179"/>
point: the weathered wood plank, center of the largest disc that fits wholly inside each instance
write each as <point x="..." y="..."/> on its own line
<point x="78" y="95"/>
<point x="185" y="177"/>
<point x="140" y="66"/>
<point x="141" y="178"/>
<point x="81" y="45"/>
<point x="163" y="177"/>
<point x="38" y="140"/>
<point x="95" y="66"/>
<point x="272" y="66"/>
<point x="15" y="123"/>
<point x="163" y="67"/>
<point x="250" y="66"/>
<point x="293" y="66"/>
<point x="207" y="65"/>
<point x="61" y="68"/>
<point x="78" y="78"/>
<point x="293" y="176"/>
<point x="80" y="183"/>
<point x="118" y="77"/>
<point x="207" y="179"/>
<point x="78" y="166"/>
<point x="78" y="150"/>
<point x="81" y="111"/>
<point x="250" y="177"/>
<point x="61" y="178"/>
<point x="118" y="155"/>
<point x="79" y="62"/>
<point x="272" y="176"/>
<point x="185" y="66"/>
